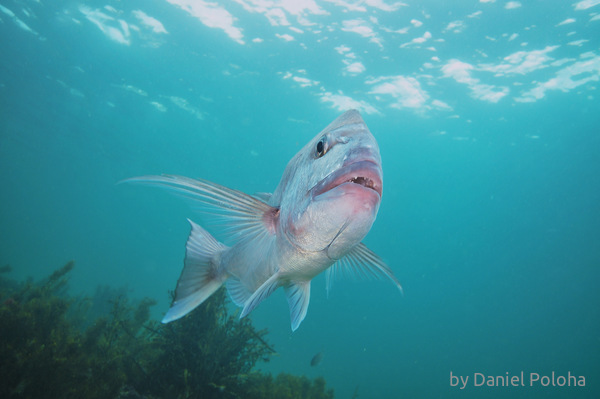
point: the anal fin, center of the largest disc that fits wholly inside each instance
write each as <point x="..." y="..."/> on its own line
<point x="237" y="291"/>
<point x="298" y="297"/>
<point x="261" y="294"/>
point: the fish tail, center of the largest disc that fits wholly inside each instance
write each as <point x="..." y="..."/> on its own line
<point x="201" y="275"/>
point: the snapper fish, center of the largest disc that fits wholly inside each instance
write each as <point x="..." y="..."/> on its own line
<point x="324" y="205"/>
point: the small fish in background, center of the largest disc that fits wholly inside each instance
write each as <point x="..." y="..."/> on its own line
<point x="316" y="360"/>
<point x="324" y="205"/>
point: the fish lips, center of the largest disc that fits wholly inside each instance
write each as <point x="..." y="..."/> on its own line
<point x="361" y="175"/>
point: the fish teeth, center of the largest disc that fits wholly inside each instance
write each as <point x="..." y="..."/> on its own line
<point x="363" y="181"/>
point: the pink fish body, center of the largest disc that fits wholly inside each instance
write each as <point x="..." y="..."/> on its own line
<point x="324" y="205"/>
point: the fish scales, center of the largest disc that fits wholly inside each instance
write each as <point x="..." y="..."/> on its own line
<point x="324" y="205"/>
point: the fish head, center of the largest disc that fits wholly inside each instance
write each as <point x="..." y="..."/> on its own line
<point x="331" y="190"/>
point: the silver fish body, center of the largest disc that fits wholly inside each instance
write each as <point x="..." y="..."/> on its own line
<point x="324" y="205"/>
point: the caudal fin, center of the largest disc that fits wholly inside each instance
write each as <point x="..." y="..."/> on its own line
<point x="200" y="277"/>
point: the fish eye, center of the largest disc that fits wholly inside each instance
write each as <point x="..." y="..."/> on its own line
<point x="322" y="147"/>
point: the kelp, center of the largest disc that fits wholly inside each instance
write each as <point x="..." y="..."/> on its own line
<point x="49" y="349"/>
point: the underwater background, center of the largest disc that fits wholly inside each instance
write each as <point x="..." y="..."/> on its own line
<point x="487" y="114"/>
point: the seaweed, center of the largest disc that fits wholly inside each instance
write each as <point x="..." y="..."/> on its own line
<point x="207" y="353"/>
<point x="37" y="347"/>
<point x="49" y="349"/>
<point x="286" y="386"/>
<point x="43" y="354"/>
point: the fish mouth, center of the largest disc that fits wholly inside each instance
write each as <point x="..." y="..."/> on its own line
<point x="366" y="174"/>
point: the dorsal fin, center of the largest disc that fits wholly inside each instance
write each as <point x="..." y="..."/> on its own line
<point x="243" y="214"/>
<point x="266" y="197"/>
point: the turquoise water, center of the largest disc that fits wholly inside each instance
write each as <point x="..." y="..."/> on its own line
<point x="487" y="116"/>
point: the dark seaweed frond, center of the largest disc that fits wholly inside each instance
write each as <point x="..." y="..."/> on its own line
<point x="286" y="386"/>
<point x="48" y="349"/>
<point x="206" y="352"/>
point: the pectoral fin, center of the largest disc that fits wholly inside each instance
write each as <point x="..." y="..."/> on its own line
<point x="360" y="262"/>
